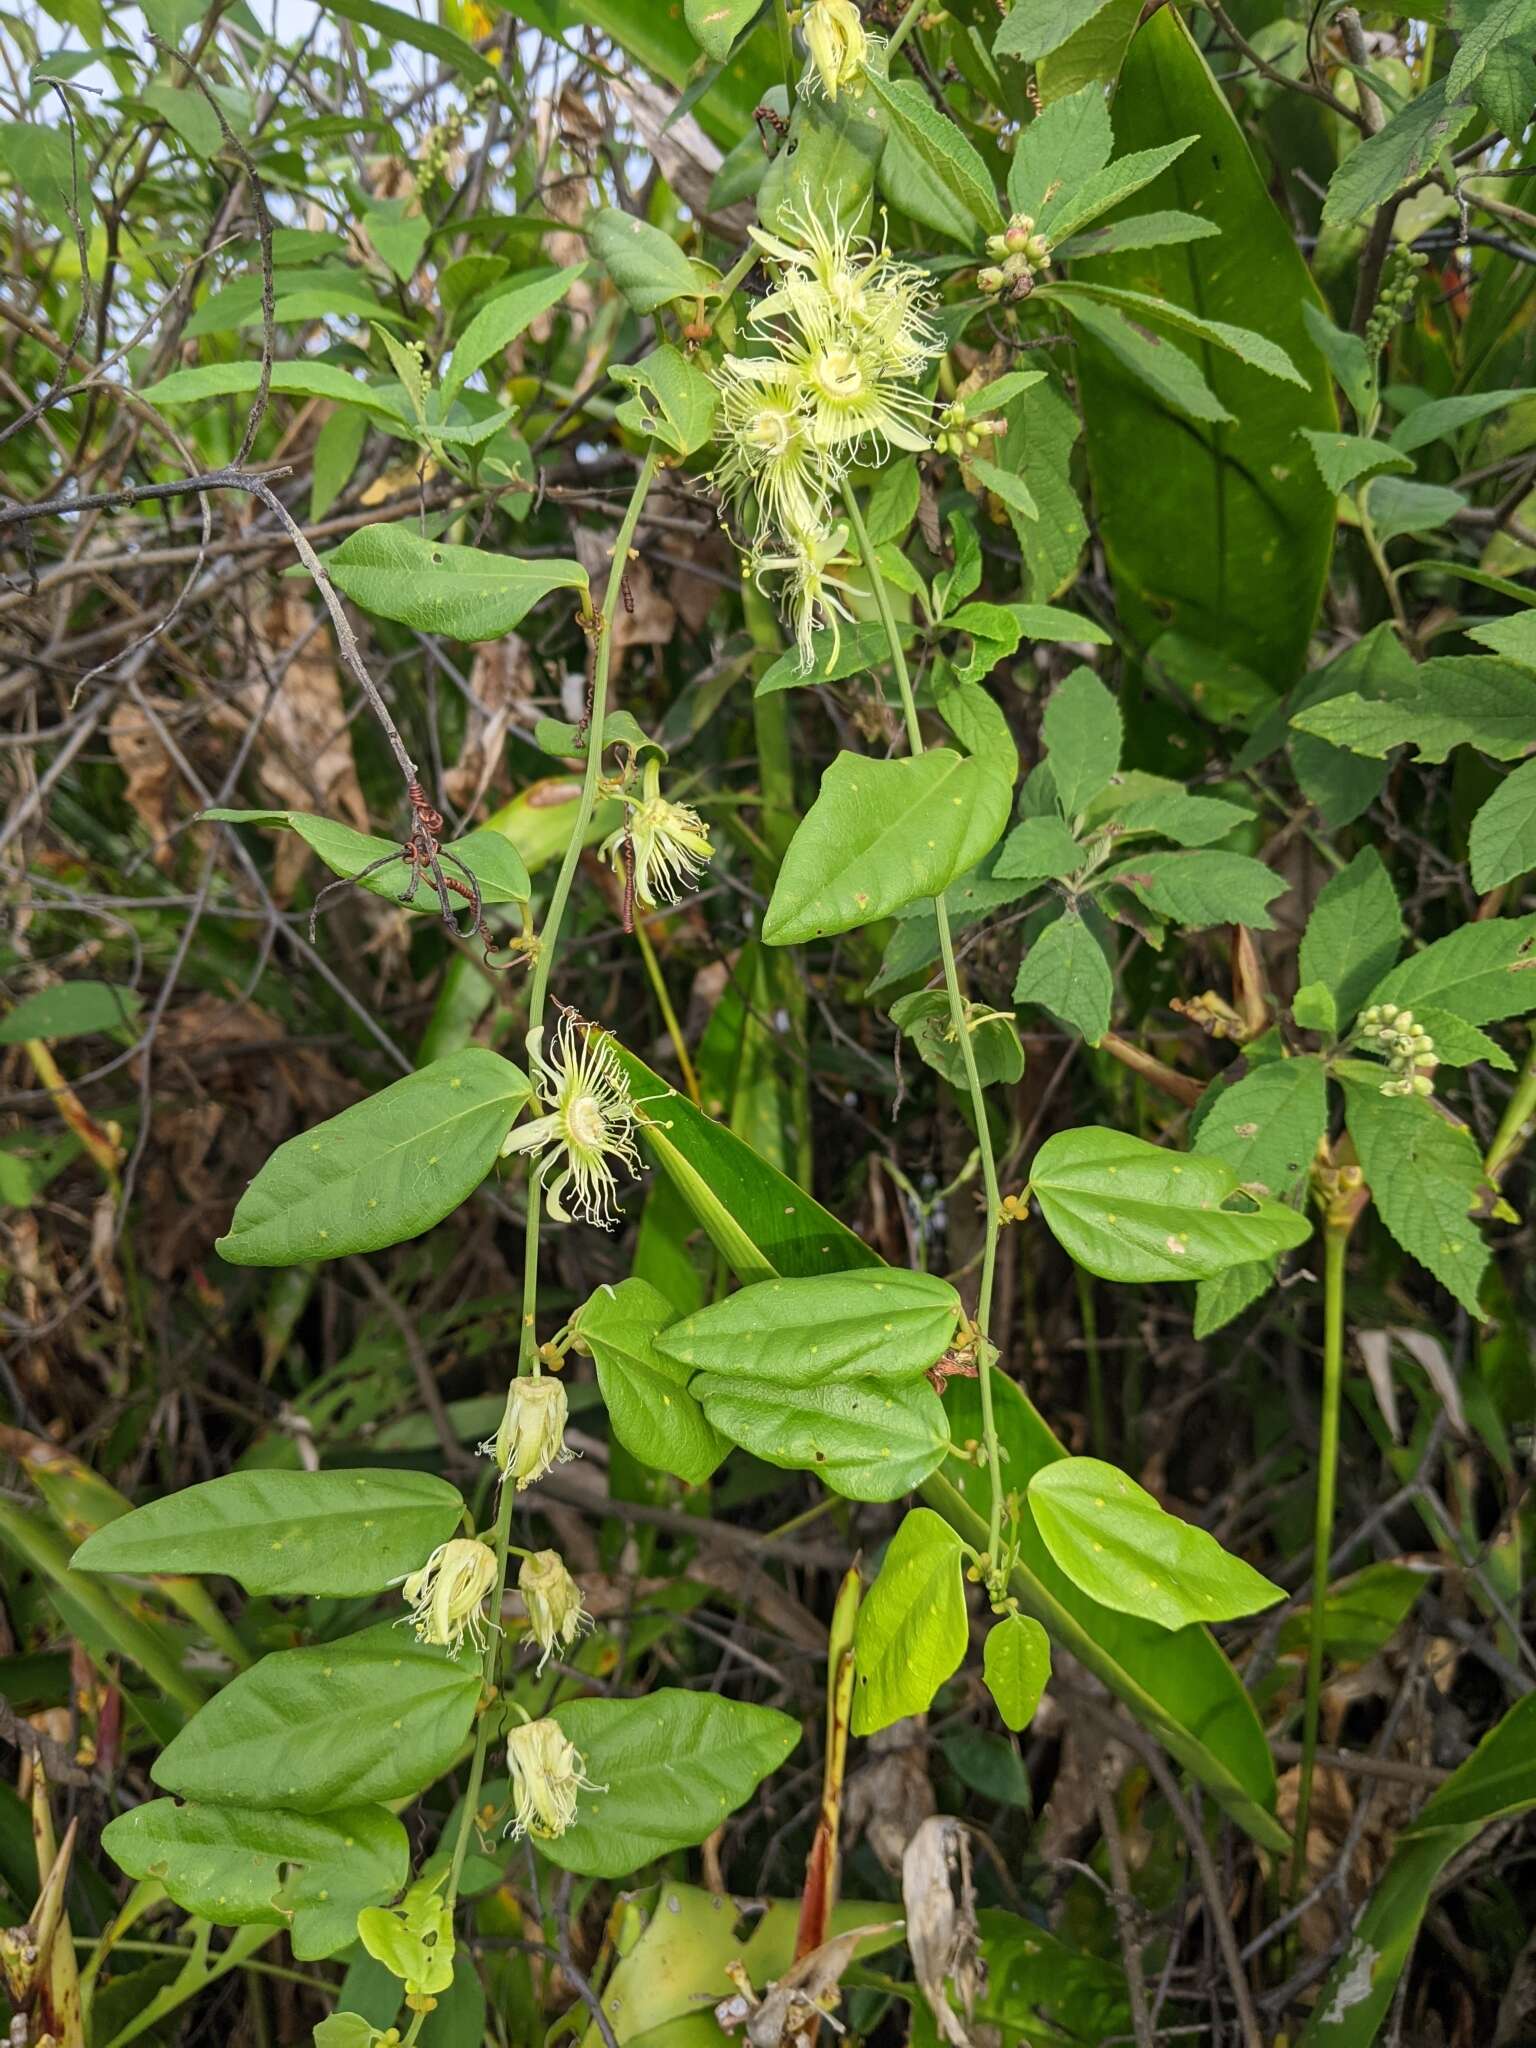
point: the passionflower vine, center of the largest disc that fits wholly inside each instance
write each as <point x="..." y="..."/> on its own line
<point x="531" y="1438"/>
<point x="669" y="842"/>
<point x="547" y="1772"/>
<point x="552" y="1597"/>
<point x="447" y="1596"/>
<point x="589" y="1122"/>
<point x="810" y="566"/>
<point x="770" y="471"/>
<point x="835" y="36"/>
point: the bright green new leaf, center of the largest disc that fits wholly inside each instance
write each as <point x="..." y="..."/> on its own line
<point x="1082" y="732"/>
<point x="1016" y="1665"/>
<point x="1425" y="1175"/>
<point x="340" y="1533"/>
<point x="1113" y="1539"/>
<point x="1065" y="971"/>
<point x="880" y="835"/>
<point x="498" y="324"/>
<point x="647" y="266"/>
<point x="384" y="1170"/>
<point x="876" y="1324"/>
<point x="436" y="587"/>
<point x="669" y="1769"/>
<point x="866" y="1439"/>
<point x="1127" y="1210"/>
<point x="645" y="1391"/>
<point x="1354" y="933"/>
<point x="912" y="1628"/>
<point x="374" y="1716"/>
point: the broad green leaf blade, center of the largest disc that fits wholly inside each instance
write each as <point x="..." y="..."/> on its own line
<point x="1443" y="417"/>
<point x="490" y="857"/>
<point x="866" y="1439"/>
<point x="1082" y="731"/>
<point x="1140" y="231"/>
<point x="1481" y="973"/>
<point x="877" y="1324"/>
<point x="1116" y="1543"/>
<point x="1343" y="459"/>
<point x="1179" y="1687"/>
<point x="912" y="1627"/>
<point x="1059" y="150"/>
<point x="1266" y="1126"/>
<point x="70" y="1009"/>
<point x="674" y="401"/>
<point x="1353" y="934"/>
<point x="1016" y="1664"/>
<point x="927" y="167"/>
<point x="647" y="266"/>
<point x="436" y="587"/>
<point x="1514" y="637"/>
<point x="1008" y="485"/>
<point x="1157" y="362"/>
<point x="1067" y="211"/>
<point x="715" y="24"/>
<point x="673" y="1766"/>
<point x="1202" y="887"/>
<point x="1502" y="842"/>
<point x="301" y="379"/>
<point x="1187" y="820"/>
<point x="1038" y="850"/>
<point x="1032" y="32"/>
<point x="1460" y="700"/>
<point x="1425" y="1175"/>
<point x="384" y="1170"/>
<point x="880" y="835"/>
<point x="650" y="1410"/>
<point x="375" y="1716"/>
<point x="924" y="1017"/>
<point x="337" y="1533"/>
<point x="497" y="325"/>
<point x="1065" y="972"/>
<point x="1383" y="163"/>
<point x="1242" y="567"/>
<point x="1127" y="1210"/>
<point x="1249" y="346"/>
<point x="240" y="1867"/>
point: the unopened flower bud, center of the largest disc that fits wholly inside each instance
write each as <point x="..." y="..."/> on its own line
<point x="1388" y="1012"/>
<point x="447" y="1596"/>
<point x="834" y="35"/>
<point x="997" y="245"/>
<point x="1038" y="250"/>
<point x="532" y="1434"/>
<point x="553" y="1599"/>
<point x="547" y="1772"/>
<point x="1423" y="1085"/>
<point x="990" y="280"/>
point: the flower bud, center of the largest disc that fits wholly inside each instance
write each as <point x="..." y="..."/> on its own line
<point x="990" y="280"/>
<point x="997" y="245"/>
<point x="547" y="1772"/>
<point x="1038" y="250"/>
<point x="553" y="1599"/>
<point x="447" y="1596"/>
<point x="834" y="35"/>
<point x="532" y="1433"/>
<point x="1423" y="1085"/>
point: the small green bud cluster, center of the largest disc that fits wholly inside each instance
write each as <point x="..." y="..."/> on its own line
<point x="958" y="434"/>
<point x="446" y="135"/>
<point x="1399" y="288"/>
<point x="1020" y="255"/>
<point x="1409" y="1048"/>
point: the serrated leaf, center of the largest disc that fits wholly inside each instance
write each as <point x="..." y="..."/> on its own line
<point x="943" y="182"/>
<point x="1127" y="1210"/>
<point x="1036" y="27"/>
<point x="1059" y="150"/>
<point x="1343" y="459"/>
<point x="1155" y="230"/>
<point x="1113" y="1540"/>
<point x="1038" y="849"/>
<point x="1016" y="1665"/>
<point x="1008" y="485"/>
<point x="1073" y="208"/>
<point x="1201" y="888"/>
<point x="1159" y="363"/>
<point x="912" y="1627"/>
<point x="715" y="24"/>
<point x="1065" y="972"/>
<point x="1382" y="164"/>
<point x="498" y="324"/>
<point x="1354" y="933"/>
<point x="384" y="1170"/>
<point x="1425" y="1174"/>
<point x="1502" y="842"/>
<point x="1399" y="505"/>
<point x="1250" y="347"/>
<point x="1082" y="734"/>
<point x="669" y="1768"/>
<point x="647" y="266"/>
<point x="875" y="1324"/>
<point x="1188" y="820"/>
<point x="437" y="587"/>
<point x="1513" y="637"/>
<point x="1265" y="1127"/>
<point x="337" y="1533"/>
<point x="1443" y="417"/>
<point x="880" y="835"/>
<point x="1459" y="1044"/>
<point x="1480" y="973"/>
<point x="866" y="1439"/>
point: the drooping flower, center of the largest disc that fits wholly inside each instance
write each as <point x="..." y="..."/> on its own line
<point x="770" y="471"/>
<point x="589" y="1122"/>
<point x="810" y="566"/>
<point x="447" y="1596"/>
<point x="532" y="1434"/>
<point x="839" y="46"/>
<point x="556" y="1616"/>
<point x="547" y="1772"/>
<point x="669" y="842"/>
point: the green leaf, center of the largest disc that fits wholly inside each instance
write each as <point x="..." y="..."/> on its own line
<point x="1066" y="212"/>
<point x="650" y="1410"/>
<point x="1065" y="971"/>
<point x="398" y="235"/>
<point x="1127" y="1210"/>
<point x="374" y="1716"/>
<point x="1382" y="164"/>
<point x="1188" y="820"/>
<point x="1506" y="21"/>
<point x="1164" y="368"/>
<point x="345" y="2030"/>
<point x="1059" y="150"/>
<point x="384" y="1170"/>
<point x="498" y="324"/>
<point x="674" y="401"/>
<point x="1425" y="1175"/>
<point x="71" y="1009"/>
<point x="1082" y="734"/>
<point x="490" y="857"/>
<point x="876" y="1324"/>
<point x="1016" y="1665"/>
<point x="715" y="24"/>
<point x="1036" y="27"/>
<point x="1141" y="231"/>
<point x="1113" y="1540"/>
<point x="927" y="167"/>
<point x="436" y="587"/>
<point x="1398" y="505"/>
<point x="1011" y="488"/>
<point x="925" y="1018"/>
<point x="1315" y="1009"/>
<point x="239" y="1867"/>
<point x="1443" y="417"/>
<point x="339" y="1533"/>
<point x="50" y="170"/>
<point x="396" y="26"/>
<point x="1265" y="1127"/>
<point x="880" y="835"/>
<point x="1514" y="637"/>
<point x="865" y="1439"/>
<point x="1093" y="55"/>
<point x="1354" y="933"/>
<point x="189" y="115"/>
<point x="338" y="445"/>
<point x="301" y="380"/>
<point x="647" y="266"/>
<point x="1241" y="569"/>
<point x="1202" y="888"/>
<point x="1343" y="459"/>
<point x="912" y="1627"/>
<point x="1341" y="784"/>
<point x="858" y="648"/>
<point x="1245" y="343"/>
<point x="1480" y="973"/>
<point x="1502" y="842"/>
<point x="1037" y="850"/>
<point x="1037" y="449"/>
<point x="1348" y="357"/>
<point x="1459" y="1044"/>
<point x="672" y="1766"/>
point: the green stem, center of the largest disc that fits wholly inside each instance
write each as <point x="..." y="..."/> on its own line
<point x="787" y="63"/>
<point x="1514" y="1126"/>
<point x="904" y="27"/>
<point x="958" y="1025"/>
<point x="1335" y="1244"/>
<point x="1378" y="555"/>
